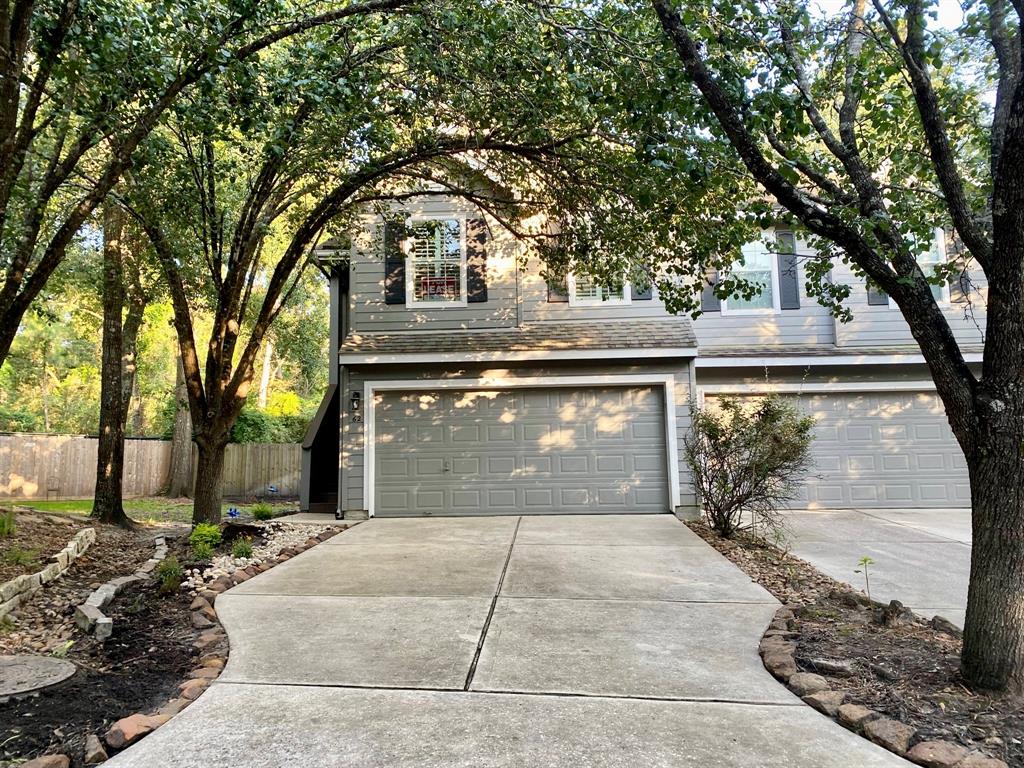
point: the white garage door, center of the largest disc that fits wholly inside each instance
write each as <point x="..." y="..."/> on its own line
<point x="883" y="450"/>
<point x="526" y="451"/>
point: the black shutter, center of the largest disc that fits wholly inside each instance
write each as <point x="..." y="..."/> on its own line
<point x="394" y="264"/>
<point x="789" y="272"/>
<point x="876" y="296"/>
<point x="476" y="260"/>
<point x="709" y="302"/>
<point x="558" y="291"/>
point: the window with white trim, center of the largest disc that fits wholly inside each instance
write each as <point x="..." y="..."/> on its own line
<point x="584" y="291"/>
<point x="928" y="261"/>
<point x="436" y="262"/>
<point x="758" y="267"/>
<point x="932" y="258"/>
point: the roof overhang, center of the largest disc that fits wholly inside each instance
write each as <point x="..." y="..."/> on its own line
<point x="510" y="356"/>
<point x="803" y="361"/>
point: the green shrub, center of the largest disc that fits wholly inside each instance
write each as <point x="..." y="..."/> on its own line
<point x="242" y="547"/>
<point x="206" y="533"/>
<point x="261" y="510"/>
<point x="7" y="524"/>
<point x="748" y="457"/>
<point x="28" y="558"/>
<point x="170" y="573"/>
<point x="202" y="551"/>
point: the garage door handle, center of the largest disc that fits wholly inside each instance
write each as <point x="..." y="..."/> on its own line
<point x="447" y="466"/>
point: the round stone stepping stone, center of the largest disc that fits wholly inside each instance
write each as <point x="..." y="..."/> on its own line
<point x="22" y="674"/>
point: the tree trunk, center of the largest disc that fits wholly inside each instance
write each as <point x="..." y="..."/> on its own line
<point x="268" y="358"/>
<point x="180" y="482"/>
<point x="993" y="651"/>
<point x="129" y="352"/>
<point x="209" y="477"/>
<point x="107" y="504"/>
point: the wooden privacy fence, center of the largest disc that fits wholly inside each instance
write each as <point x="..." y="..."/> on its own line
<point x="64" y="467"/>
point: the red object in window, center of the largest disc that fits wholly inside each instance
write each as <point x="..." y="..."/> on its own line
<point x="433" y="287"/>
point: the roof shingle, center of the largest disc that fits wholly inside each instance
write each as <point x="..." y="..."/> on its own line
<point x="676" y="332"/>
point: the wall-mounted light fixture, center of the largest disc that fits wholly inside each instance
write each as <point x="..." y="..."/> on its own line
<point x="355" y="401"/>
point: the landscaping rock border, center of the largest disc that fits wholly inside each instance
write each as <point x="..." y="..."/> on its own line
<point x="210" y="645"/>
<point x="14" y="592"/>
<point x="89" y="615"/>
<point x="777" y="649"/>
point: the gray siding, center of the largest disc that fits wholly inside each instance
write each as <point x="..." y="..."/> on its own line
<point x="366" y="299"/>
<point x="884" y="326"/>
<point x="536" y="307"/>
<point x="352" y="441"/>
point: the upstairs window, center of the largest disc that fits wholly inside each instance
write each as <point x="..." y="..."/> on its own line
<point x="584" y="291"/>
<point x="758" y="267"/>
<point x="932" y="258"/>
<point x="927" y="261"/>
<point x="436" y="263"/>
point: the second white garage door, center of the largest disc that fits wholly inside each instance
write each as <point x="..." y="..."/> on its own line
<point x="527" y="451"/>
<point x="883" y="450"/>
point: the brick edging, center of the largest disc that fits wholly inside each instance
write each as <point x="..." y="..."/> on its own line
<point x="777" y="650"/>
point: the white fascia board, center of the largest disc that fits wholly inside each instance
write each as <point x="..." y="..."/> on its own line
<point x="642" y="353"/>
<point x="816" y="387"/>
<point x="803" y="361"/>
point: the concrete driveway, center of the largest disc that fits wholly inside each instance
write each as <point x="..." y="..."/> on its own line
<point x="922" y="556"/>
<point x="605" y="641"/>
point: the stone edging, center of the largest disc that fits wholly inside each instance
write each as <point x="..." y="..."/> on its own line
<point x="14" y="592"/>
<point x="128" y="730"/>
<point x="777" y="649"/>
<point x="89" y="615"/>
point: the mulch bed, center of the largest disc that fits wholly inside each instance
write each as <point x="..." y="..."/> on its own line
<point x="138" y="669"/>
<point x="909" y="673"/>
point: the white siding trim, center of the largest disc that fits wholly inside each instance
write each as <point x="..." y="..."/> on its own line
<point x="803" y="361"/>
<point x="666" y="380"/>
<point x="368" y="358"/>
<point x="818" y="387"/>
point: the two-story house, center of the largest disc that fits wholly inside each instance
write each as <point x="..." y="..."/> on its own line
<point x="465" y="383"/>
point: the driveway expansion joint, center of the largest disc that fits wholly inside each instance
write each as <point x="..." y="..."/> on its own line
<point x="490" y="610"/>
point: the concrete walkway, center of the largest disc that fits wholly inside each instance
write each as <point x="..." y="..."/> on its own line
<point x="603" y="641"/>
<point x="922" y="556"/>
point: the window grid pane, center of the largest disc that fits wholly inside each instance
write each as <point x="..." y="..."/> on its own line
<point x="437" y="261"/>
<point x="588" y="290"/>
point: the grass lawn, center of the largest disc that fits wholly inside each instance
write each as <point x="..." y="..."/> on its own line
<point x="152" y="511"/>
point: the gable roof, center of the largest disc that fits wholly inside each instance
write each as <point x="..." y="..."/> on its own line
<point x="671" y="337"/>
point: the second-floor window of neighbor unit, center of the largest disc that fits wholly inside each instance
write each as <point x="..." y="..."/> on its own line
<point x="932" y="258"/>
<point x="928" y="261"/>
<point x="436" y="262"/>
<point x="760" y="267"/>
<point x="584" y="291"/>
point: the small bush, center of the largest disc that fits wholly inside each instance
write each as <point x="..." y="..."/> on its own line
<point x="28" y="558"/>
<point x="206" y="533"/>
<point x="748" y="458"/>
<point x="262" y="511"/>
<point x="170" y="574"/>
<point x="242" y="547"/>
<point x="202" y="551"/>
<point x="7" y="524"/>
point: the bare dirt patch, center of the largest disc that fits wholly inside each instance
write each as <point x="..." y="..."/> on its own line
<point x="909" y="672"/>
<point x="36" y="536"/>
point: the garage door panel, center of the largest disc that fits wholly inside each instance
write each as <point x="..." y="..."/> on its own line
<point x="532" y="451"/>
<point x="882" y="449"/>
